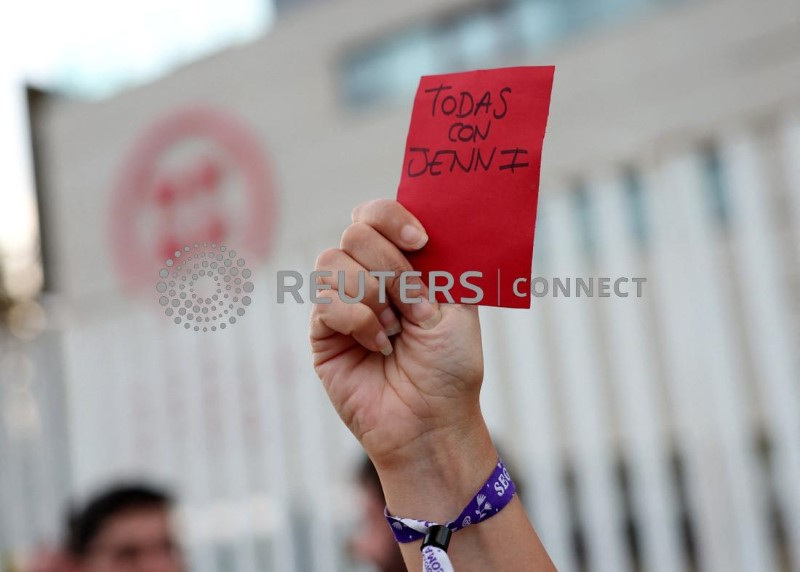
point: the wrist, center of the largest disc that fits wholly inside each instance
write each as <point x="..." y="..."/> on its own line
<point x="436" y="475"/>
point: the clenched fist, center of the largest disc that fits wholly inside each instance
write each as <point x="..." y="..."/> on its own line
<point x="396" y="372"/>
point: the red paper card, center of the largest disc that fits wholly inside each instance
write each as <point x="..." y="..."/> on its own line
<point x="471" y="176"/>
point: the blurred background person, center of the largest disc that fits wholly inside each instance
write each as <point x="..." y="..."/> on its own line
<point x="372" y="541"/>
<point x="126" y="528"/>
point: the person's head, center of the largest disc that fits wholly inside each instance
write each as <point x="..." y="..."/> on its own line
<point x="126" y="528"/>
<point x="373" y="541"/>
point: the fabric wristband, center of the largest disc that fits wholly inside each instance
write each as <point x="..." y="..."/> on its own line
<point x="494" y="495"/>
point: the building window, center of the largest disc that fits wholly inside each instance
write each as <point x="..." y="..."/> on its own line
<point x="481" y="36"/>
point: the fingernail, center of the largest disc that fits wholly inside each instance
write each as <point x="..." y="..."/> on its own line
<point x="382" y="341"/>
<point x="413" y="236"/>
<point x="427" y="315"/>
<point x="389" y="321"/>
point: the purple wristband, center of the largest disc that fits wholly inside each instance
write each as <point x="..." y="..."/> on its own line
<point x="493" y="496"/>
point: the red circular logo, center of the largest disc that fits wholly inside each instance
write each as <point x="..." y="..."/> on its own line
<point x="197" y="175"/>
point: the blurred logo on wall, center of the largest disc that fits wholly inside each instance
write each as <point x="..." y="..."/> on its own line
<point x="196" y="176"/>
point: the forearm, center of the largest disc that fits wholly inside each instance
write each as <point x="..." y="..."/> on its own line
<point x="436" y="478"/>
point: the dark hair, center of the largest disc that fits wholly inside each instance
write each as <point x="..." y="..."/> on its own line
<point x="86" y="523"/>
<point x="368" y="476"/>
